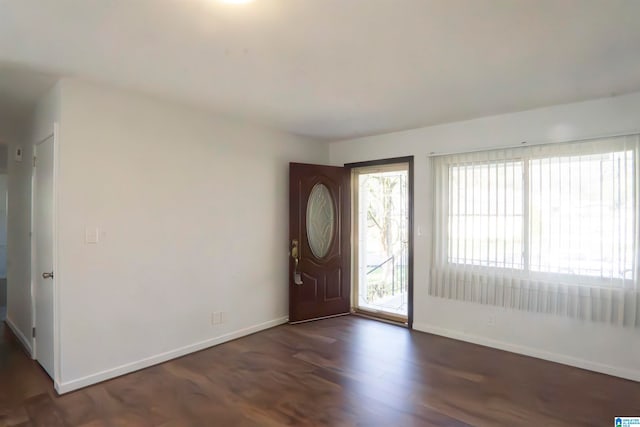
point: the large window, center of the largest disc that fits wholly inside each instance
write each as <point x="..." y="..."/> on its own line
<point x="486" y="214"/>
<point x="581" y="214"/>
<point x="547" y="219"/>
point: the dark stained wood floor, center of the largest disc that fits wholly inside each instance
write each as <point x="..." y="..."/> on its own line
<point x="346" y="371"/>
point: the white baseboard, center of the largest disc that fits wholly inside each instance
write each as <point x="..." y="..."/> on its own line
<point x="628" y="374"/>
<point x="108" y="374"/>
<point x="18" y="333"/>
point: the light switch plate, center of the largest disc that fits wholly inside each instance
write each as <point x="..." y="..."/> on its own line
<point x="91" y="235"/>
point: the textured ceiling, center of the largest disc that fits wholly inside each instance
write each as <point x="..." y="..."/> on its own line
<point x="334" y="68"/>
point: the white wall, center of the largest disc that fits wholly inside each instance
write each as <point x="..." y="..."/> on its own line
<point x="3" y="225"/>
<point x="193" y="213"/>
<point x="4" y="153"/>
<point x="3" y="214"/>
<point x="3" y="229"/>
<point x="36" y="128"/>
<point x="11" y="130"/>
<point x="593" y="346"/>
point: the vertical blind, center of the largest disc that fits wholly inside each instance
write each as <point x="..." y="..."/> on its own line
<point x="550" y="228"/>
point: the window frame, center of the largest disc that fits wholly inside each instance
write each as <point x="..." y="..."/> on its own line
<point x="526" y="271"/>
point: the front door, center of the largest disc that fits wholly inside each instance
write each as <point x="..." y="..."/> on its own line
<point x="319" y="239"/>
<point x="43" y="253"/>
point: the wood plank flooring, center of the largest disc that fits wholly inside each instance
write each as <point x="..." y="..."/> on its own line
<point x="346" y="371"/>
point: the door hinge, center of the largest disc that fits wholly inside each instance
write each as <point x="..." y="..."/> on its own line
<point x="33" y="332"/>
<point x="34" y="161"/>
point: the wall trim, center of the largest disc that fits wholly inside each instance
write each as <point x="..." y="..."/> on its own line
<point x="65" y="387"/>
<point x="18" y="333"/>
<point x="629" y="374"/>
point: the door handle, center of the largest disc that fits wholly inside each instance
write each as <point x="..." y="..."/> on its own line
<point x="47" y="275"/>
<point x="297" y="277"/>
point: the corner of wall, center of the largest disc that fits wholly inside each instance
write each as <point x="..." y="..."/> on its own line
<point x="26" y="343"/>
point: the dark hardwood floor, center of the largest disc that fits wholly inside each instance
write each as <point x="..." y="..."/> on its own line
<point x="346" y="371"/>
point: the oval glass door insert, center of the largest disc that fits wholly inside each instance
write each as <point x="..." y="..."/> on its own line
<point x="320" y="220"/>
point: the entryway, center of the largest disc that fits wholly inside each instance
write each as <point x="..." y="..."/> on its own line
<point x="351" y="224"/>
<point x="43" y="254"/>
<point x="381" y="237"/>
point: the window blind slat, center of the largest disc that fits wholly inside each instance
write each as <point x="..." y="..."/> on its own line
<point x="601" y="209"/>
<point x="545" y="228"/>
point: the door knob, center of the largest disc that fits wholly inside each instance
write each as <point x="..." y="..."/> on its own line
<point x="297" y="278"/>
<point x="47" y="275"/>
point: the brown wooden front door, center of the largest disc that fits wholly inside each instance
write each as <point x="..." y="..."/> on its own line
<point x="319" y="239"/>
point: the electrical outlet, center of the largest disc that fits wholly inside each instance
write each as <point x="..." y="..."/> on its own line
<point x="223" y="317"/>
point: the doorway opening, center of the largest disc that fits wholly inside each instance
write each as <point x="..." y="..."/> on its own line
<point x="42" y="254"/>
<point x="382" y="224"/>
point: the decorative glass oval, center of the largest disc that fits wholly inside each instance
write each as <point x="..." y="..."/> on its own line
<point x="320" y="220"/>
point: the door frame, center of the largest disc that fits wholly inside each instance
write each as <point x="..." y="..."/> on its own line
<point x="382" y="162"/>
<point x="56" y="279"/>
